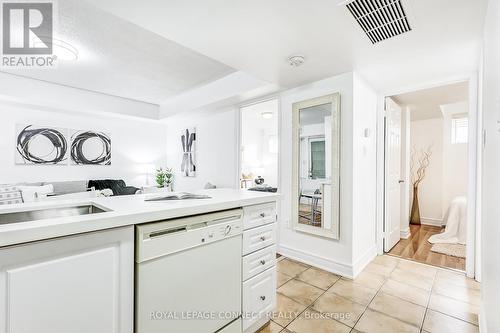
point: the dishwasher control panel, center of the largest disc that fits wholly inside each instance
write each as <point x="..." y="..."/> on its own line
<point x="221" y="231"/>
<point x="160" y="239"/>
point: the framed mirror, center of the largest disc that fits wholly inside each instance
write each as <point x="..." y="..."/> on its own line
<point x="316" y="166"/>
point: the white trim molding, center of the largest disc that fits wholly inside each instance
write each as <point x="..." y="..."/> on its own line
<point x="405" y="234"/>
<point x="483" y="327"/>
<point x="327" y="264"/>
<point x="431" y="221"/>
<point x="340" y="268"/>
<point x="364" y="260"/>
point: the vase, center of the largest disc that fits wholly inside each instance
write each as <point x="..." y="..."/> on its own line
<point x="415" y="211"/>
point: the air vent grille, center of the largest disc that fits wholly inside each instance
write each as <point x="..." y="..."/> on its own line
<point x="380" y="19"/>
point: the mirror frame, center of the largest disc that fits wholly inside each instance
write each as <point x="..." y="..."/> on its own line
<point x="334" y="99"/>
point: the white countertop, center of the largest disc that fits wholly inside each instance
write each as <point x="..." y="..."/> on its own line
<point x="124" y="210"/>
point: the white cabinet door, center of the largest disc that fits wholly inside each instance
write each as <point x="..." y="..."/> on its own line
<point x="74" y="284"/>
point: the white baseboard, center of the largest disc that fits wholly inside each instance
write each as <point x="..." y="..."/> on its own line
<point x="405" y="234"/>
<point x="329" y="265"/>
<point x="431" y="221"/>
<point x="482" y="320"/>
<point x="326" y="264"/>
<point x="364" y="260"/>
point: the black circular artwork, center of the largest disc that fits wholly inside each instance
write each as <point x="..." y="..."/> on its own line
<point x="80" y="155"/>
<point x="55" y="154"/>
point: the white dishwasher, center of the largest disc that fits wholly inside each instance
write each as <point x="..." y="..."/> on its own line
<point x="188" y="274"/>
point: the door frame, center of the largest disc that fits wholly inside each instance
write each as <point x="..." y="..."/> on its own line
<point x="239" y="130"/>
<point x="474" y="165"/>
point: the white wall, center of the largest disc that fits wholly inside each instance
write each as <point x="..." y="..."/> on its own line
<point x="455" y="157"/>
<point x="490" y="288"/>
<point x="357" y="161"/>
<point x="216" y="149"/>
<point x="364" y="152"/>
<point x="424" y="133"/>
<point x="135" y="144"/>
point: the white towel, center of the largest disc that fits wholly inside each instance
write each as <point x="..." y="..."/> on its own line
<point x="456" y="224"/>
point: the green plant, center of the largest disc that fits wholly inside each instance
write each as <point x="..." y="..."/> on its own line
<point x="164" y="177"/>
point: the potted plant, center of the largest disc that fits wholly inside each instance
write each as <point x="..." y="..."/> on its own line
<point x="165" y="177"/>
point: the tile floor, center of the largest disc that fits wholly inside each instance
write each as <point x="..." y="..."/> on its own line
<point x="390" y="295"/>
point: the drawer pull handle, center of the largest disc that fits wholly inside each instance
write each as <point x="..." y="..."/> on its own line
<point x="262" y="262"/>
<point x="262" y="214"/>
<point x="263" y="238"/>
<point x="263" y="298"/>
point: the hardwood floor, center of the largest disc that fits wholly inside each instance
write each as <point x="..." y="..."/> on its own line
<point x="417" y="248"/>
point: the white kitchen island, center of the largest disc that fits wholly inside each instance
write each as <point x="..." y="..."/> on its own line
<point x="76" y="273"/>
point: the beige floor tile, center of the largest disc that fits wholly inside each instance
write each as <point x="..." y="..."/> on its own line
<point x="455" y="308"/>
<point x="357" y="293"/>
<point x="458" y="279"/>
<point x="318" y="278"/>
<point x="370" y="280"/>
<point x="416" y="280"/>
<point x="376" y="322"/>
<point x="290" y="267"/>
<point x="417" y="268"/>
<point x="281" y="279"/>
<point x="472" y="296"/>
<point x="286" y="310"/>
<point x="409" y="293"/>
<point x="386" y="260"/>
<point x="436" y="322"/>
<point x="300" y="291"/>
<point x="398" y="308"/>
<point x="379" y="269"/>
<point x="339" y="308"/>
<point x="271" y="327"/>
<point x="314" y="322"/>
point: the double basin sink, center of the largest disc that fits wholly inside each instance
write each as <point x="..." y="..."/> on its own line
<point x="49" y="213"/>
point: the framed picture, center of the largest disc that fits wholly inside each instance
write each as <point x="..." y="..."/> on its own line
<point x="41" y="145"/>
<point x="90" y="148"/>
<point x="188" y="140"/>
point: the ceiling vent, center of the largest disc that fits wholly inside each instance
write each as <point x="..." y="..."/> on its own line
<point x="380" y="19"/>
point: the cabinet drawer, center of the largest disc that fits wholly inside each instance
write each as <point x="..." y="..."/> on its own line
<point x="257" y="215"/>
<point x="258" y="238"/>
<point x="258" y="262"/>
<point x="259" y="296"/>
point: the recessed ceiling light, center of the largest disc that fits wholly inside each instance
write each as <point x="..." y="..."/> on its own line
<point x="267" y="115"/>
<point x="296" y="60"/>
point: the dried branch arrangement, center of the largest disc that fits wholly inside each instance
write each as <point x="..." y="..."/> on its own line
<point x="419" y="161"/>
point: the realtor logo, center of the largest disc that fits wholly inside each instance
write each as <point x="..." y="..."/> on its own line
<point x="27" y="28"/>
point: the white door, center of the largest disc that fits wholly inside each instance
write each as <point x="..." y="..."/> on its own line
<point x="392" y="174"/>
<point x="76" y="284"/>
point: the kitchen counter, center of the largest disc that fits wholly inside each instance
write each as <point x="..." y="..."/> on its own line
<point x="123" y="211"/>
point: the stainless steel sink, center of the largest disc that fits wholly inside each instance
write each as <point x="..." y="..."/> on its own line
<point x="49" y="213"/>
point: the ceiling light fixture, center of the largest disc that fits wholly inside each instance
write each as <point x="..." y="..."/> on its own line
<point x="267" y="115"/>
<point x="62" y="49"/>
<point x="296" y="60"/>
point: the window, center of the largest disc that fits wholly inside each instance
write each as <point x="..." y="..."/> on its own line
<point x="459" y="130"/>
<point x="318" y="159"/>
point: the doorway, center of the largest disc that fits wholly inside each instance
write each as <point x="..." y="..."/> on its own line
<point x="259" y="146"/>
<point x="427" y="134"/>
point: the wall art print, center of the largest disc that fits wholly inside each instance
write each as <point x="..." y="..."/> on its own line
<point x="188" y="140"/>
<point x="37" y="145"/>
<point x="90" y="148"/>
